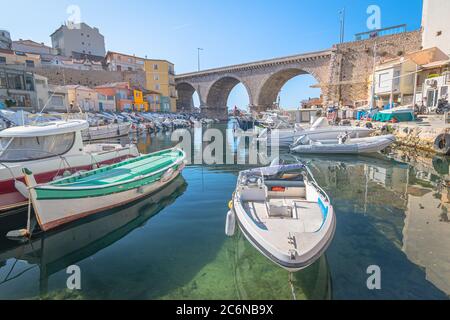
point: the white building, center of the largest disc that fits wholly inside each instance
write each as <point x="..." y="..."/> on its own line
<point x="436" y="24"/>
<point x="81" y="39"/>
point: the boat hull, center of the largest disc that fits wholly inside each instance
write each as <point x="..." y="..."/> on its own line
<point x="106" y="132"/>
<point x="287" y="138"/>
<point x="52" y="213"/>
<point x="373" y="145"/>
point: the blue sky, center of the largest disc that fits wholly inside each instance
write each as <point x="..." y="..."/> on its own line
<point x="230" y="31"/>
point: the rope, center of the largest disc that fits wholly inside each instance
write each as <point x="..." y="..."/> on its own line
<point x="291" y="283"/>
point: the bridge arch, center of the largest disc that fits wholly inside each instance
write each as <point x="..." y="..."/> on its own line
<point x="185" y="91"/>
<point x="272" y="85"/>
<point x="219" y="91"/>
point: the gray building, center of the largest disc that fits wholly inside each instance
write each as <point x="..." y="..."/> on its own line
<point x="80" y="39"/>
<point x="17" y="88"/>
<point x="5" y="40"/>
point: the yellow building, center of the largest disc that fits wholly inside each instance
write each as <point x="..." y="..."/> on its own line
<point x="160" y="77"/>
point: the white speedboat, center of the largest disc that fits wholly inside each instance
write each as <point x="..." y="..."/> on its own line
<point x="284" y="213"/>
<point x="51" y="150"/>
<point x="109" y="131"/>
<point x="345" y="145"/>
<point x="320" y="130"/>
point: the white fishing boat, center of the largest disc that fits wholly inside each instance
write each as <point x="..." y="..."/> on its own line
<point x="50" y="150"/>
<point x="283" y="212"/>
<point x="320" y="130"/>
<point x="78" y="196"/>
<point x="109" y="131"/>
<point x="344" y="145"/>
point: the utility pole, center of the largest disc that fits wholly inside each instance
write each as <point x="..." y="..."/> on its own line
<point x="198" y="57"/>
<point x="372" y="102"/>
<point x="342" y="25"/>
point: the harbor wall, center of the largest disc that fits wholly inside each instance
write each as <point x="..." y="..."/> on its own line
<point x="352" y="64"/>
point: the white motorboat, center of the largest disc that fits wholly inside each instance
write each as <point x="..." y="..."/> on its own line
<point x="51" y="150"/>
<point x="345" y="145"/>
<point x="109" y="131"/>
<point x="283" y="212"/>
<point x="320" y="130"/>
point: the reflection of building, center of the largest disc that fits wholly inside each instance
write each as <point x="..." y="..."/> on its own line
<point x="426" y="234"/>
<point x="78" y="39"/>
<point x="17" y="88"/>
<point x="160" y="77"/>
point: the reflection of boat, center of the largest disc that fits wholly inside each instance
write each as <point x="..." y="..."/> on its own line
<point x="345" y="145"/>
<point x="254" y="279"/>
<point x="49" y="149"/>
<point x="56" y="250"/>
<point x="75" y="197"/>
<point x="284" y="214"/>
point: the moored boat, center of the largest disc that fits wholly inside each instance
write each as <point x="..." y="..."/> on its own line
<point x="108" y="131"/>
<point x="345" y="145"/>
<point x="50" y="150"/>
<point x="283" y="212"/>
<point x="81" y="195"/>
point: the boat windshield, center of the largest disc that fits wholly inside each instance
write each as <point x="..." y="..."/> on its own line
<point x="34" y="148"/>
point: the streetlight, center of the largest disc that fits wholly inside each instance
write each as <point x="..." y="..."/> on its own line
<point x="198" y="57"/>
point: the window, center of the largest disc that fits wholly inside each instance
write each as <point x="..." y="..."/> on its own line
<point x="157" y="86"/>
<point x="82" y="43"/>
<point x="29" y="63"/>
<point x="33" y="148"/>
<point x="130" y="69"/>
<point x="155" y="67"/>
<point x="2" y="60"/>
<point x="15" y="81"/>
<point x="156" y="77"/>
<point x="57" y="101"/>
<point x="29" y="82"/>
<point x="3" y="83"/>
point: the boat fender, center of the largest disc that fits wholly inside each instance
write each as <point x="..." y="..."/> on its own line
<point x="442" y="144"/>
<point x="22" y="188"/>
<point x="230" y="224"/>
<point x="67" y="173"/>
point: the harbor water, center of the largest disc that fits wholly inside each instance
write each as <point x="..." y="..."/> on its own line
<point x="391" y="213"/>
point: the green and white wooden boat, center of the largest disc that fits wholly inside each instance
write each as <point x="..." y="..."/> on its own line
<point x="81" y="195"/>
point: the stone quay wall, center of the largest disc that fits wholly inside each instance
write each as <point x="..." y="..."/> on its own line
<point x="352" y="64"/>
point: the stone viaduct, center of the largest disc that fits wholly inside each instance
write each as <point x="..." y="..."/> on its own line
<point x="342" y="73"/>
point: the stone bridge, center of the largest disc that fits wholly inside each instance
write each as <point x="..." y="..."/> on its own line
<point x="263" y="81"/>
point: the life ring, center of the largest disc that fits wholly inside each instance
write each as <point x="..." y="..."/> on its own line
<point x="442" y="144"/>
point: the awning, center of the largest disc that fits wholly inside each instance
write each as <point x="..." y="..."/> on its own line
<point x="427" y="56"/>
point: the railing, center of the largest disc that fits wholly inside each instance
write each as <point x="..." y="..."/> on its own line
<point x="381" y="32"/>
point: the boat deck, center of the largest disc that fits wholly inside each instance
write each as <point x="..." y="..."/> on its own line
<point x="307" y="219"/>
<point x="121" y="172"/>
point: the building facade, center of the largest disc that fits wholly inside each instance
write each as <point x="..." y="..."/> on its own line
<point x="80" y="39"/>
<point x="120" y="91"/>
<point x="123" y="62"/>
<point x="29" y="60"/>
<point x="436" y="25"/>
<point x="30" y="46"/>
<point x="17" y="88"/>
<point x="81" y="97"/>
<point x="160" y="77"/>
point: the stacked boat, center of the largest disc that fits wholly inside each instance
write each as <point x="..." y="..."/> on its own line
<point x="343" y="144"/>
<point x="284" y="214"/>
<point x="284" y="135"/>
